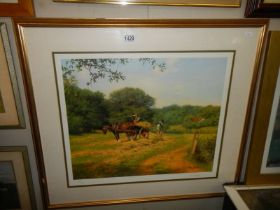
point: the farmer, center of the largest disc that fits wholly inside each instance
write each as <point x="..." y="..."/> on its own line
<point x="160" y="127"/>
<point x="135" y="118"/>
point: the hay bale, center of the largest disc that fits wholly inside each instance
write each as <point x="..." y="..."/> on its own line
<point x="144" y="124"/>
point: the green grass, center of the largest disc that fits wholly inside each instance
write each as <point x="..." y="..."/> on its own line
<point x="97" y="155"/>
<point x="160" y="168"/>
<point x="90" y="142"/>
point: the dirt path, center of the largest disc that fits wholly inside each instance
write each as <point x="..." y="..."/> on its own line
<point x="173" y="161"/>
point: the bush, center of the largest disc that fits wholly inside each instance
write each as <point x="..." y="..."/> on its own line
<point x="75" y="124"/>
<point x="204" y="130"/>
<point x="176" y="129"/>
<point x="205" y="150"/>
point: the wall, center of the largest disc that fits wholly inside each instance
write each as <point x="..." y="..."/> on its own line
<point x="47" y="8"/>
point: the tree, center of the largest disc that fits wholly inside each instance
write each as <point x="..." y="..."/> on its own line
<point x="104" y="67"/>
<point x="204" y="117"/>
<point x="86" y="110"/>
<point x="126" y="102"/>
<point x="175" y="114"/>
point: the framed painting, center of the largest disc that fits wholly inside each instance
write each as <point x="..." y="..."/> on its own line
<point x="16" y="8"/>
<point x="136" y="109"/>
<point x="263" y="8"/>
<point x="196" y="3"/>
<point x="253" y="197"/>
<point x="264" y="160"/>
<point x="15" y="179"/>
<point x="11" y="114"/>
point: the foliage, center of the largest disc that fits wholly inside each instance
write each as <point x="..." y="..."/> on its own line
<point x="205" y="149"/>
<point x="171" y="115"/>
<point x="205" y="117"/>
<point x="86" y="110"/>
<point x="105" y="67"/>
<point x="126" y="102"/>
<point x="191" y="117"/>
<point x="97" y="68"/>
<point x="176" y="129"/>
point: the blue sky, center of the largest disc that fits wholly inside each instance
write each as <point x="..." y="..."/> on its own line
<point x="186" y="80"/>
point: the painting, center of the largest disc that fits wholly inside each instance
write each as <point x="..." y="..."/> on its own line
<point x="15" y="180"/>
<point x="11" y="114"/>
<point x="197" y="3"/>
<point x="264" y="168"/>
<point x="253" y="197"/>
<point x="9" y="198"/>
<point x="136" y="111"/>
<point x="271" y="158"/>
<point x="263" y="8"/>
<point x="127" y="114"/>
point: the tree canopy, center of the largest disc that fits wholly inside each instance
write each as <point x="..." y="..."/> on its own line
<point x="105" y="67"/>
<point x="86" y="110"/>
<point x="126" y="102"/>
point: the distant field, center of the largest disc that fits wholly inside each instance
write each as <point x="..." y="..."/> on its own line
<point x="98" y="155"/>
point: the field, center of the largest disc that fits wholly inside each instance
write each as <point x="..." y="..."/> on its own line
<point x="95" y="155"/>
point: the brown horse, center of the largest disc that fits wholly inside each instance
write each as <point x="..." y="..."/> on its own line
<point x="129" y="128"/>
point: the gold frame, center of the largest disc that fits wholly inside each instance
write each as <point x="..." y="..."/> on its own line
<point x="193" y="3"/>
<point x="21" y="23"/>
<point x="12" y="115"/>
<point x="19" y="9"/>
<point x="263" y="110"/>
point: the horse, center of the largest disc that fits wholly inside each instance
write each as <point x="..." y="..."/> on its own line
<point x="131" y="130"/>
<point x="117" y="128"/>
<point x="140" y="131"/>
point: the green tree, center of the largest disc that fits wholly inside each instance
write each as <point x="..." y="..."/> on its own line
<point x="125" y="102"/>
<point x="211" y="114"/>
<point x="203" y="117"/>
<point x="175" y="114"/>
<point x="86" y="110"/>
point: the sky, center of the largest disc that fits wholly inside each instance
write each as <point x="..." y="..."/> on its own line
<point x="187" y="79"/>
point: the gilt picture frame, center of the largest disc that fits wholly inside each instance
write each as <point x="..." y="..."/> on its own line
<point x="15" y="179"/>
<point x="200" y="3"/>
<point x="263" y="161"/>
<point x="11" y="114"/>
<point x="262" y="8"/>
<point x="128" y="57"/>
